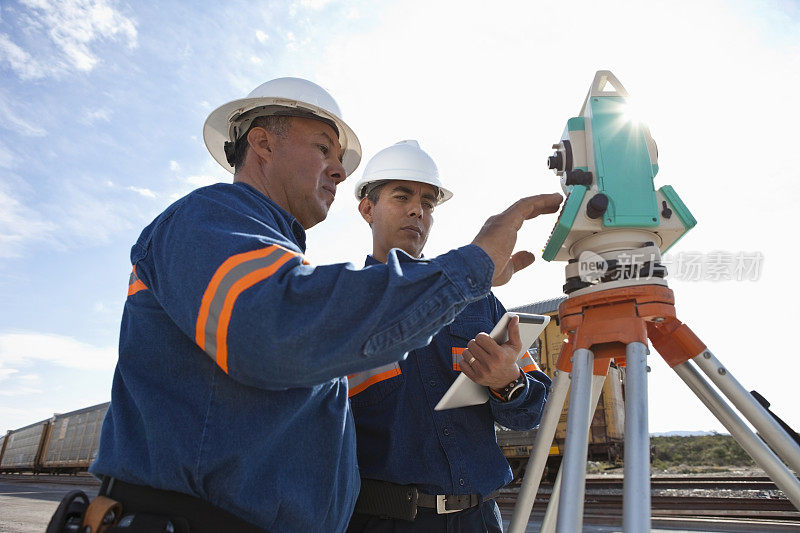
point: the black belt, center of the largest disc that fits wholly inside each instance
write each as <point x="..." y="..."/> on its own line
<point x="199" y="515"/>
<point x="390" y="500"/>
<point x="452" y="503"/>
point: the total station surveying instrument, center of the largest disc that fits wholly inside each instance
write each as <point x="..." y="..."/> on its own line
<point x="612" y="230"/>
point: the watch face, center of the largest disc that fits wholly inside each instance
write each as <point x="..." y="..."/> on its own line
<point x="516" y="391"/>
<point x="515" y="388"/>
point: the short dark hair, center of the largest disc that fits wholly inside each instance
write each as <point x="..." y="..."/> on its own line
<point x="375" y="192"/>
<point x="273" y="124"/>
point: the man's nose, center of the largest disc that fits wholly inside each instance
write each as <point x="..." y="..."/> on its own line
<point x="415" y="209"/>
<point x="336" y="172"/>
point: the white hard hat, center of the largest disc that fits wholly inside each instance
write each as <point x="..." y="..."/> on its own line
<point x="281" y="96"/>
<point x="402" y="161"/>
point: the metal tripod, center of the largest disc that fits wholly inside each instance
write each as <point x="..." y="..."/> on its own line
<point x="615" y="323"/>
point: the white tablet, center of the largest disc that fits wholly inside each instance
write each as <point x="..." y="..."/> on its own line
<point x="464" y="391"/>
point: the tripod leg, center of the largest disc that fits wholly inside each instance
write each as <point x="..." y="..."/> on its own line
<point x="636" y="483"/>
<point x="768" y="428"/>
<point x="549" y="520"/>
<point x="570" y="506"/>
<point x="540" y="452"/>
<point x="760" y="452"/>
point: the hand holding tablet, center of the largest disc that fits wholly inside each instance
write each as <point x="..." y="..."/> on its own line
<point x="464" y="391"/>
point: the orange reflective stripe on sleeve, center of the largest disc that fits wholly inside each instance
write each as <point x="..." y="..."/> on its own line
<point x="527" y="363"/>
<point x="234" y="276"/>
<point x="134" y="283"/>
<point x="457" y="358"/>
<point x="360" y="381"/>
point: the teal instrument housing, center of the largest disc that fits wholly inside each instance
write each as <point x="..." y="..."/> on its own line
<point x="575" y="124"/>
<point x="623" y="169"/>
<point x="607" y="162"/>
<point x="680" y="209"/>
<point x="568" y="213"/>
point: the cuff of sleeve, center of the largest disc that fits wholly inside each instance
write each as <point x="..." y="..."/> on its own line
<point x="534" y="383"/>
<point x="470" y="269"/>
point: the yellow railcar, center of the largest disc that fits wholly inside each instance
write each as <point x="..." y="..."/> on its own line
<point x="607" y="430"/>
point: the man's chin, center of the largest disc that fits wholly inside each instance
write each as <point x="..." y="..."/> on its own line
<point x="319" y="216"/>
<point x="413" y="251"/>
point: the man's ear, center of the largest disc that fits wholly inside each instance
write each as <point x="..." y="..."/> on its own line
<point x="365" y="207"/>
<point x="261" y="143"/>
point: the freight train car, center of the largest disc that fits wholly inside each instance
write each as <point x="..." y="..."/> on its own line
<point x="2" y="446"/>
<point x="23" y="448"/>
<point x="606" y="434"/>
<point x="66" y="443"/>
<point x="72" y="442"/>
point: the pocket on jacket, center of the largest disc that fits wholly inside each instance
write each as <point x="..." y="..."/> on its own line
<point x="463" y="330"/>
<point x="372" y="386"/>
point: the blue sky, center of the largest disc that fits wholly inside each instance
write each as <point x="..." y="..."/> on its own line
<point x="102" y="105"/>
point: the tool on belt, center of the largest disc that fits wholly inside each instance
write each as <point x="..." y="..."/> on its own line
<point x="124" y="507"/>
<point x="390" y="500"/>
<point x="75" y="514"/>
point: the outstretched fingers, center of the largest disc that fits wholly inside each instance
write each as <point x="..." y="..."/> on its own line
<point x="522" y="259"/>
<point x="533" y="206"/>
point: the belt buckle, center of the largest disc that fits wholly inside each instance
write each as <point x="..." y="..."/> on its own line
<point x="441" y="499"/>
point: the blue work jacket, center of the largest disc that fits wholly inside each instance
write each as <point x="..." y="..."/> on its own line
<point x="402" y="439"/>
<point x="233" y="350"/>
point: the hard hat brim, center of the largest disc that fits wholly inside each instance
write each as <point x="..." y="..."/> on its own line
<point x="366" y="186"/>
<point x="217" y="125"/>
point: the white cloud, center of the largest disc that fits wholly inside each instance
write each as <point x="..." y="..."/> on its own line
<point x="86" y="217"/>
<point x="93" y="116"/>
<point x="18" y="225"/>
<point x="202" y="180"/>
<point x="10" y="119"/>
<point x="19" y="60"/>
<point x="20" y="349"/>
<point x="143" y="191"/>
<point x="15" y="417"/>
<point x="67" y="32"/>
<point x="20" y="391"/>
<point x="196" y="181"/>
<point x="314" y="4"/>
<point x="6" y="157"/>
<point x="174" y="166"/>
<point x="262" y="37"/>
<point x="255" y="60"/>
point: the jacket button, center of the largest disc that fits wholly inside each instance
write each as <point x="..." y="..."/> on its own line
<point x="461" y="482"/>
<point x="432" y="383"/>
<point x="446" y="431"/>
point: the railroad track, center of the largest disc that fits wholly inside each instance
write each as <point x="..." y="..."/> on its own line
<point x="689" y="497"/>
<point x="64" y="479"/>
<point x="692" y="483"/>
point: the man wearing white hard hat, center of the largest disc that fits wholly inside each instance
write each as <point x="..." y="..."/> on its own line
<point x="229" y="406"/>
<point x="448" y="459"/>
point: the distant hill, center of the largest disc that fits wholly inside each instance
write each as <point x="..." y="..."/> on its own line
<point x="685" y="434"/>
<point x="706" y="450"/>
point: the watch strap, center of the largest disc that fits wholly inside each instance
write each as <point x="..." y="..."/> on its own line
<point x="512" y="390"/>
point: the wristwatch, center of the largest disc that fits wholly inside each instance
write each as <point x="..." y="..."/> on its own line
<point x="512" y="390"/>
